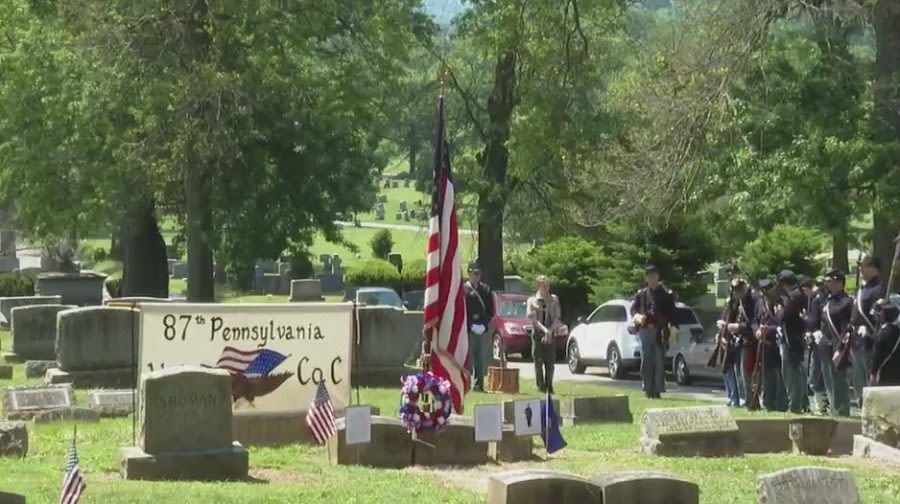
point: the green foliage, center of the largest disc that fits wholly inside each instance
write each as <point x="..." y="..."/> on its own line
<point x="413" y="276"/>
<point x="382" y="244"/>
<point x="374" y="273"/>
<point x="113" y="284"/>
<point x="301" y="265"/>
<point x="15" y="284"/>
<point x="784" y="247"/>
<point x="574" y="266"/>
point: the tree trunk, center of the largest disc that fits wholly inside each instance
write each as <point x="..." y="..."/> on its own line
<point x="199" y="229"/>
<point x="412" y="152"/>
<point x="146" y="270"/>
<point x="887" y="121"/>
<point x="839" y="244"/>
<point x="495" y="160"/>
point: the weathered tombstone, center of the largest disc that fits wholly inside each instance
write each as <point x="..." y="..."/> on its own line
<point x="8" y="263"/>
<point x="396" y="259"/>
<point x="185" y="428"/>
<point x="34" y="331"/>
<point x="583" y="410"/>
<point x="403" y="206"/>
<point x="13" y="440"/>
<point x="336" y="264"/>
<point x="646" y="487"/>
<point x="284" y="268"/>
<point x="73" y="414"/>
<point x="171" y="265"/>
<point x="79" y="289"/>
<point x="405" y="182"/>
<point x="38" y="368"/>
<point x="406" y="216"/>
<point x="881" y="415"/>
<point x="112" y="403"/>
<point x="389" y="446"/>
<point x="11" y="498"/>
<point x="394" y="184"/>
<point x="707" y="431"/>
<point x="539" y="486"/>
<point x="8" y="303"/>
<point x="379" y="214"/>
<point x="179" y="270"/>
<point x="511" y="448"/>
<point x="805" y="485"/>
<point x="398" y="216"/>
<point x="722" y="288"/>
<point x="723" y="274"/>
<point x="306" y="290"/>
<point x="94" y="347"/>
<point x="23" y="402"/>
<point x="455" y="445"/>
<point x="171" y="251"/>
<point x="812" y="436"/>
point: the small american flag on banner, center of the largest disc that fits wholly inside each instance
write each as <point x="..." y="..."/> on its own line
<point x="320" y="417"/>
<point x="445" y="307"/>
<point x="73" y="484"/>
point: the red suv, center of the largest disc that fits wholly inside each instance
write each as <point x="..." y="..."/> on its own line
<point x="512" y="329"/>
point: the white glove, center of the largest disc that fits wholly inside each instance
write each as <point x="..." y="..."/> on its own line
<point x="817" y="336"/>
<point x="863" y="331"/>
<point x="720" y="324"/>
<point x="478" y="329"/>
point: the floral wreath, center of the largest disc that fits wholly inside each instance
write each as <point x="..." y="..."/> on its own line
<point x="411" y="413"/>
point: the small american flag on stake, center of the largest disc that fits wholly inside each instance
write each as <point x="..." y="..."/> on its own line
<point x="320" y="417"/>
<point x="73" y="484"/>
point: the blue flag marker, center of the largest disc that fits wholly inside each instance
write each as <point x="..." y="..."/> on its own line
<point x="553" y="439"/>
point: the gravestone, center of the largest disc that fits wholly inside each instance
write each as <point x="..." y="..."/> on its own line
<point x="646" y="487"/>
<point x="185" y="428"/>
<point x="6" y="372"/>
<point x="804" y="485"/>
<point x="11" y="498"/>
<point x="112" y="403"/>
<point x="722" y="288"/>
<point x="73" y="414"/>
<point x="24" y="402"/>
<point x="8" y="264"/>
<point x="601" y="409"/>
<point x="379" y="214"/>
<point x="396" y="259"/>
<point x="38" y="368"/>
<point x="306" y="290"/>
<point x="511" y="448"/>
<point x="707" y="431"/>
<point x="34" y="331"/>
<point x="405" y="182"/>
<point x="171" y="266"/>
<point x="881" y="415"/>
<point x="540" y="486"/>
<point x="180" y="270"/>
<point x="171" y="251"/>
<point x="8" y="243"/>
<point x="811" y="436"/>
<point x="79" y="289"/>
<point x="94" y="347"/>
<point x="13" y="439"/>
<point x="403" y="206"/>
<point x="382" y="198"/>
<point x="336" y="265"/>
<point x="331" y="283"/>
<point x="8" y="303"/>
<point x="398" y="216"/>
<point x="394" y="184"/>
<point x="284" y="268"/>
<point x="406" y="216"/>
<point x="389" y="446"/>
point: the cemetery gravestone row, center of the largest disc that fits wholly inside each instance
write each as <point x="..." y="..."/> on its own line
<point x="803" y="485"/>
<point x="708" y="431"/>
<point x="24" y="402"/>
<point x="34" y="331"/>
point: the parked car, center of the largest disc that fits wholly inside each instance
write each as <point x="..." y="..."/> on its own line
<point x="512" y="330"/>
<point x="414" y="300"/>
<point x="378" y="296"/>
<point x="689" y="356"/>
<point x="602" y="338"/>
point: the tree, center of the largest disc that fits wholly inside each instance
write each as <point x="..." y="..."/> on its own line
<point x="382" y="243"/>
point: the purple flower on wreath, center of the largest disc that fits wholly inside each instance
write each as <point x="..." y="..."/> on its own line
<point x="412" y="415"/>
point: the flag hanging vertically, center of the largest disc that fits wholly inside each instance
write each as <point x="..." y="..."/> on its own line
<point x="550" y="433"/>
<point x="445" y="307"/>
<point x="73" y="483"/>
<point x="320" y="417"/>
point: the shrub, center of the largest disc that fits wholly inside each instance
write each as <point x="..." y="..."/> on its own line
<point x="413" y="276"/>
<point x="99" y="255"/>
<point x="113" y="286"/>
<point x="382" y="243"/>
<point x="573" y="266"/>
<point x="374" y="273"/>
<point x="783" y="247"/>
<point x="15" y="284"/>
<point x="301" y="265"/>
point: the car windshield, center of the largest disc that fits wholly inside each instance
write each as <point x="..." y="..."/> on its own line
<point x="381" y="298"/>
<point x="685" y="316"/>
<point x="512" y="308"/>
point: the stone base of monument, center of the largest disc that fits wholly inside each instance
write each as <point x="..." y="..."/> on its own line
<point x="455" y="445"/>
<point x="600" y="409"/>
<point x="11" y="498"/>
<point x="642" y="487"/>
<point x="99" y="378"/>
<point x="771" y="435"/>
<point x="72" y="414"/>
<point x="13" y="440"/>
<point x="38" y="368"/>
<point x="801" y="485"/>
<point x="539" y="486"/>
<point x="274" y="428"/>
<point x="6" y="372"/>
<point x="512" y="448"/>
<point x="205" y="465"/>
<point x="700" y="444"/>
<point x="11" y="358"/>
<point x="704" y="431"/>
<point x="864" y="447"/>
<point x="881" y="414"/>
<point x="811" y="436"/>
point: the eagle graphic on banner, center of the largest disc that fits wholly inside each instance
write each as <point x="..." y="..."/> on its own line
<point x="251" y="372"/>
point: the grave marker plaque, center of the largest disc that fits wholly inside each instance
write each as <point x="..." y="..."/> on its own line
<point x="22" y="403"/>
<point x="802" y="485"/>
<point x="707" y="431"/>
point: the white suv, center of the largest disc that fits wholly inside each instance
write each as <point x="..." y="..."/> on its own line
<point x="602" y="339"/>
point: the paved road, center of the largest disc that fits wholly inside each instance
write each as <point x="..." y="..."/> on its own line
<point x="704" y="391"/>
<point x="399" y="227"/>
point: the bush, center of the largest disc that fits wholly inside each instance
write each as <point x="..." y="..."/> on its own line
<point x="784" y="247"/>
<point x="374" y="273"/>
<point x="301" y="265"/>
<point x="382" y="243"/>
<point x="413" y="276"/>
<point x="113" y="286"/>
<point x="15" y="284"/>
<point x="99" y="255"/>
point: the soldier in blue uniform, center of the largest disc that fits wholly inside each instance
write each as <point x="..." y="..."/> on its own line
<point x="789" y="314"/>
<point x="886" y="353"/>
<point x="774" y="395"/>
<point x="835" y="325"/>
<point x="816" y="298"/>
<point x="652" y="314"/>
<point x="864" y="324"/>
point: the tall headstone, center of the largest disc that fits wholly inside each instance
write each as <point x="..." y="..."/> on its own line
<point x="34" y="331"/>
<point x="706" y="431"/>
<point x="540" y="486"/>
<point x="306" y="290"/>
<point x="8" y="303"/>
<point x="79" y="289"/>
<point x="804" y="485"/>
<point x="644" y="487"/>
<point x="186" y="430"/>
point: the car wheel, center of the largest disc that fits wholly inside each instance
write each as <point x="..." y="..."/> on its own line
<point x="574" y="359"/>
<point x="614" y="362"/>
<point x="498" y="352"/>
<point x="682" y="374"/>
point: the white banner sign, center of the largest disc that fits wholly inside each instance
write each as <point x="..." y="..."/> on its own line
<point x="276" y="353"/>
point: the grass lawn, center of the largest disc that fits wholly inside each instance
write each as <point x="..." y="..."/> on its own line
<point x="301" y="473"/>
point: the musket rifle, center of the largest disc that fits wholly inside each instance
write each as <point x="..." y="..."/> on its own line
<point x="841" y="356"/>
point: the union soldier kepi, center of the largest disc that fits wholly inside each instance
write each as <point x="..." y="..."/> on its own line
<point x="651" y="314"/>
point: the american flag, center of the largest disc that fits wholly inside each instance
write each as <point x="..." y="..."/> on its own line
<point x="445" y="308"/>
<point x="320" y="417"/>
<point x="73" y="484"/>
<point x="259" y="362"/>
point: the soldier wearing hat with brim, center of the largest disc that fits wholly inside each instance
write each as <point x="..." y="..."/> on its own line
<point x="734" y="328"/>
<point x="765" y="328"/>
<point x="834" y="326"/>
<point x="864" y="323"/>
<point x="791" y="329"/>
<point x="886" y="351"/>
<point x="480" y="313"/>
<point x="815" y="301"/>
<point x="652" y="314"/>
